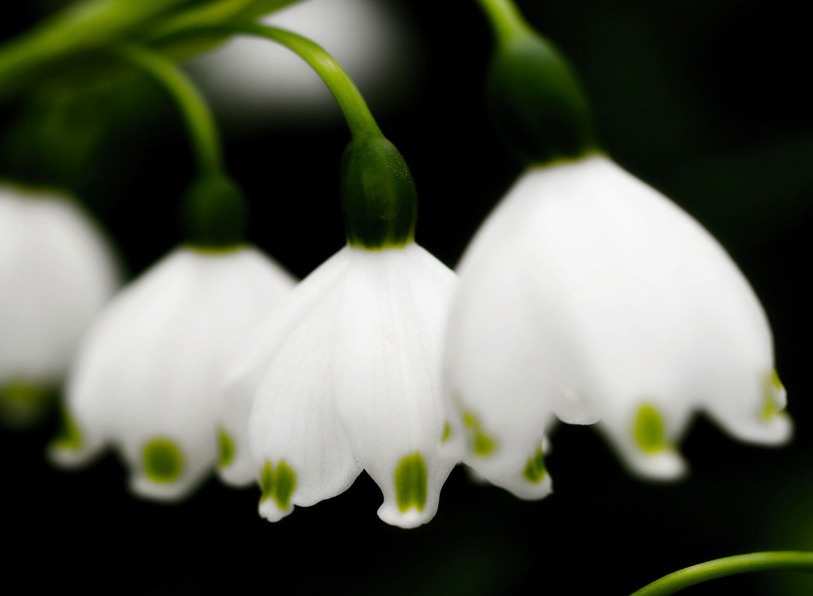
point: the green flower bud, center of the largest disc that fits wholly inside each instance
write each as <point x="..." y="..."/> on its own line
<point x="378" y="195"/>
<point x="537" y="101"/>
<point x="214" y="213"/>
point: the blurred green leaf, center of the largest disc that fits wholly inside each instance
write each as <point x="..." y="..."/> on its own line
<point x="93" y="25"/>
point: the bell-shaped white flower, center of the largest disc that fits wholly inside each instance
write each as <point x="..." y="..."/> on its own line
<point x="249" y="78"/>
<point x="146" y="380"/>
<point x="585" y="296"/>
<point x="349" y="379"/>
<point x="56" y="273"/>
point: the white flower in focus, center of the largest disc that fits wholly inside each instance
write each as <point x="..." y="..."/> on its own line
<point x="587" y="296"/>
<point x="250" y="78"/>
<point x="352" y="382"/>
<point x="56" y="273"/>
<point x="146" y="380"/>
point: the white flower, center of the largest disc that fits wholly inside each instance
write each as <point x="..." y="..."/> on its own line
<point x="350" y="380"/>
<point x="146" y="380"/>
<point x="587" y="296"/>
<point x="56" y="273"/>
<point x="250" y="78"/>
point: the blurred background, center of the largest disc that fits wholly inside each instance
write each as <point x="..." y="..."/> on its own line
<point x="707" y="100"/>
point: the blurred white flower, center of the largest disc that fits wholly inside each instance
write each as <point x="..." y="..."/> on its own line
<point x="350" y="380"/>
<point x="249" y="79"/>
<point x="588" y="296"/>
<point x="147" y="377"/>
<point x="56" y="273"/>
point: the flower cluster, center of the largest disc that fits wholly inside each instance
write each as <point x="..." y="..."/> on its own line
<point x="586" y="297"/>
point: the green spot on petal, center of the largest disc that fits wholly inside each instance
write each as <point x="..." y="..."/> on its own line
<point x="410" y="482"/>
<point x="267" y="481"/>
<point x="535" y="469"/>
<point x="163" y="461"/>
<point x="447" y="432"/>
<point x="68" y="436"/>
<point x="286" y="483"/>
<point x="650" y="431"/>
<point x="225" y="448"/>
<point x="483" y="445"/>
<point x="775" y="381"/>
<point x="277" y="484"/>
<point x="771" y="407"/>
<point x="23" y="403"/>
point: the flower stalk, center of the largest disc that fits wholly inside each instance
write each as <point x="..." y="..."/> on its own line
<point x="355" y="110"/>
<point x="214" y="209"/>
<point x="95" y="25"/>
<point x="703" y="572"/>
<point x="378" y="194"/>
<point x="505" y="19"/>
<point x="197" y="117"/>
<point x="84" y="26"/>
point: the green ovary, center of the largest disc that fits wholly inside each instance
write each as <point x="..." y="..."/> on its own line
<point x="410" y="483"/>
<point x="650" y="430"/>
<point x="163" y="461"/>
<point x="277" y="484"/>
<point x="535" y="469"/>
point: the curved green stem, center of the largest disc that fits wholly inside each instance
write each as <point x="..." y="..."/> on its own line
<point x="349" y="98"/>
<point x="696" y="574"/>
<point x="83" y="26"/>
<point x="196" y="114"/>
<point x="378" y="194"/>
<point x="93" y="25"/>
<point x="505" y="18"/>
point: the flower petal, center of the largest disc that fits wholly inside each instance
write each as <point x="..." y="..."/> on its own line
<point x="293" y="423"/>
<point x="388" y="375"/>
<point x="250" y="365"/>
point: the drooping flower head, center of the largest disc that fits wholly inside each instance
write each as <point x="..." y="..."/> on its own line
<point x="347" y="377"/>
<point x="588" y="296"/>
<point x="352" y="384"/>
<point x="146" y="379"/>
<point x="56" y="273"/>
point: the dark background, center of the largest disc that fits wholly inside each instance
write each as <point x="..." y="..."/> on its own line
<point x="707" y="100"/>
